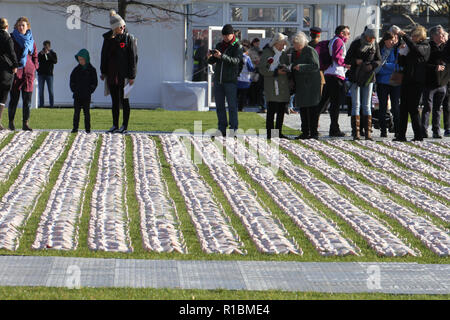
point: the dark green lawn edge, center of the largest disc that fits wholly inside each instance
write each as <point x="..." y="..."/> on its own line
<point x="50" y="293"/>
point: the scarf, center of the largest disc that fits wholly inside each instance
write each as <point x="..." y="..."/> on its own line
<point x="276" y="59"/>
<point x="26" y="42"/>
<point x="366" y="46"/>
<point x="224" y="45"/>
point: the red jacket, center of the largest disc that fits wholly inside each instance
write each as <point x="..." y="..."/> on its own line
<point x="24" y="78"/>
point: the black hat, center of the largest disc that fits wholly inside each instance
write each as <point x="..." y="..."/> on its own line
<point x="315" y="30"/>
<point x="227" y="29"/>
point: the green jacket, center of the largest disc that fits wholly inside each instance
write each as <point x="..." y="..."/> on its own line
<point x="271" y="76"/>
<point x="307" y="79"/>
<point x="227" y="68"/>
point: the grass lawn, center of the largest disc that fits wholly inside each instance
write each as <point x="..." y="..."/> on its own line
<point x="169" y="121"/>
<point x="44" y="293"/>
<point x="140" y="120"/>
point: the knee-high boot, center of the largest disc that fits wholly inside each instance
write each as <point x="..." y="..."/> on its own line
<point x="356" y="123"/>
<point x="368" y="127"/>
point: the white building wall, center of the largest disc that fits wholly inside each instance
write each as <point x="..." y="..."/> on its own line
<point x="160" y="49"/>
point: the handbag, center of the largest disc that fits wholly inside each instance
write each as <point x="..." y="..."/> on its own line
<point x="396" y="78"/>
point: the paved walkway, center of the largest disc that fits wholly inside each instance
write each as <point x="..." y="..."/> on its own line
<point x="353" y="277"/>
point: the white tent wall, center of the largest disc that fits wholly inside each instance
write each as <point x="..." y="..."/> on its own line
<point x="160" y="49"/>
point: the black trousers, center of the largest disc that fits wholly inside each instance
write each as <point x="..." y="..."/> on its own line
<point x="432" y="101"/>
<point x="333" y="91"/>
<point x="3" y="96"/>
<point x="118" y="99"/>
<point x="411" y="93"/>
<point x="273" y="108"/>
<point x="242" y="98"/>
<point x="309" y="117"/>
<point x="446" y="110"/>
<point x="14" y="101"/>
<point x="85" y="105"/>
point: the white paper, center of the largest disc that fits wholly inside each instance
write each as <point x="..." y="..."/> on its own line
<point x="127" y="90"/>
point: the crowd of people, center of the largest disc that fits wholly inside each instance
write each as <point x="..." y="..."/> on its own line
<point x="19" y="61"/>
<point x="406" y="72"/>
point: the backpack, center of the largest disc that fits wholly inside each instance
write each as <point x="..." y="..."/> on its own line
<point x="324" y="54"/>
<point x="323" y="50"/>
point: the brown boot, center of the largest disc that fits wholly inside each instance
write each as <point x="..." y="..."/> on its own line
<point x="26" y="127"/>
<point x="355" y="121"/>
<point x="368" y="127"/>
<point x="2" y="107"/>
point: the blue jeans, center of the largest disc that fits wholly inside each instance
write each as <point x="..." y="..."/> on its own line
<point x="42" y="79"/>
<point x="228" y="91"/>
<point x="384" y="92"/>
<point x="361" y="99"/>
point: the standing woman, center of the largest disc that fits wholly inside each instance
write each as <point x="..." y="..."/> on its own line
<point x="118" y="66"/>
<point x="385" y="89"/>
<point x="8" y="65"/>
<point x="273" y="67"/>
<point x="306" y="69"/>
<point x="364" y="57"/>
<point x="27" y="55"/>
<point x="414" y="62"/>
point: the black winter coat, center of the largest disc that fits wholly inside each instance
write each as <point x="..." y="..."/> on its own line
<point x="436" y="78"/>
<point x="371" y="60"/>
<point x="415" y="62"/>
<point x="47" y="63"/>
<point x="8" y="60"/>
<point x="83" y="82"/>
<point x="119" y="55"/>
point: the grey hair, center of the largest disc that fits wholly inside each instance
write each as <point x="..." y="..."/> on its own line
<point x="279" y="37"/>
<point x="300" y="38"/>
<point x="435" y="30"/>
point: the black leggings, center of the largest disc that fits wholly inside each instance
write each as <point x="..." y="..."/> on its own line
<point x="118" y="99"/>
<point x="26" y="100"/>
<point x="279" y="109"/>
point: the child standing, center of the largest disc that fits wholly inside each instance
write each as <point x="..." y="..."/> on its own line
<point x="83" y="82"/>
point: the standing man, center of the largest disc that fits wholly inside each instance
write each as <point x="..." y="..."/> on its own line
<point x="314" y="33"/>
<point x="227" y="57"/>
<point x="47" y="59"/>
<point x="436" y="79"/>
<point x="335" y="77"/>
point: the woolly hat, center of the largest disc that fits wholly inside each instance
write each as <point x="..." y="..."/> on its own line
<point x="370" y="31"/>
<point x="227" y="29"/>
<point x="115" y="20"/>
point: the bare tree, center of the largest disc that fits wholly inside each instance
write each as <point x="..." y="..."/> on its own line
<point x="141" y="12"/>
<point x="439" y="7"/>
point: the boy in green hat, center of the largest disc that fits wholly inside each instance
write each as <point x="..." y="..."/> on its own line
<point x="83" y="82"/>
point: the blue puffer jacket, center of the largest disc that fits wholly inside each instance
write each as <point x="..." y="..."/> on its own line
<point x="384" y="74"/>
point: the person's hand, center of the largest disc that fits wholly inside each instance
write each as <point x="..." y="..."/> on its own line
<point x="281" y="71"/>
<point x="401" y="33"/>
<point x="131" y="82"/>
<point x="440" y="68"/>
<point x="217" y="54"/>
<point x="347" y="66"/>
<point x="358" y="61"/>
<point x="14" y="70"/>
<point x="297" y="67"/>
<point x="102" y="77"/>
<point x="208" y="55"/>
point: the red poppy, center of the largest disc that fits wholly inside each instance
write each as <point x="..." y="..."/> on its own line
<point x="270" y="60"/>
<point x="122" y="45"/>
